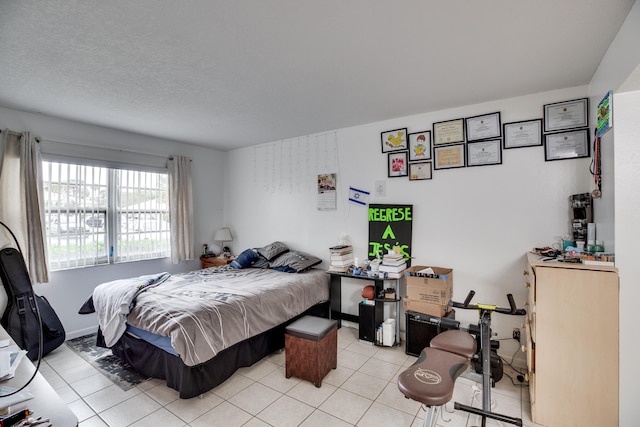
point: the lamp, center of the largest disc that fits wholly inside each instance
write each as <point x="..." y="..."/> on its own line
<point x="224" y="235"/>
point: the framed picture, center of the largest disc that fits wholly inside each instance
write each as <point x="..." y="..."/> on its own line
<point x="486" y="126"/>
<point x="483" y="153"/>
<point x="420" y="146"/>
<point x="419" y="171"/>
<point x="566" y="145"/>
<point x="398" y="164"/>
<point x="394" y="140"/>
<point x="448" y="132"/>
<point x="605" y="114"/>
<point x="448" y="156"/>
<point x="527" y="133"/>
<point x="566" y="115"/>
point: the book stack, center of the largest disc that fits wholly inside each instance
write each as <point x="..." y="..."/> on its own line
<point x="393" y="264"/>
<point x="341" y="258"/>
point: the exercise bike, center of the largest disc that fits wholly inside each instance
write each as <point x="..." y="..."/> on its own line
<point x="431" y="379"/>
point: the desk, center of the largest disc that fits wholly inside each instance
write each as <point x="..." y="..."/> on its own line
<point x="45" y="403"/>
<point x="378" y="284"/>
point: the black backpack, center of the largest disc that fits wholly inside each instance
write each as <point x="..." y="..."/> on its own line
<point x="27" y="315"/>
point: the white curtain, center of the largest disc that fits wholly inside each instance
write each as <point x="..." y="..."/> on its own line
<point x="21" y="206"/>
<point x="181" y="209"/>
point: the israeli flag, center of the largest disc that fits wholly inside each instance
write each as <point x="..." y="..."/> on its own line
<point x="359" y="197"/>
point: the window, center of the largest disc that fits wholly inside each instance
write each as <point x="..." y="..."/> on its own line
<point x="98" y="215"/>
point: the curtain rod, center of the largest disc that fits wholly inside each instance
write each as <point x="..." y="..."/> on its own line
<point x="19" y="134"/>
<point x="38" y="140"/>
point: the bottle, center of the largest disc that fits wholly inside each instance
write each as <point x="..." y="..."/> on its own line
<point x="599" y="247"/>
<point x="205" y="248"/>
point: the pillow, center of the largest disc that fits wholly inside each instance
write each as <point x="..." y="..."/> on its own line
<point x="260" y="262"/>
<point x="245" y="259"/>
<point x="295" y="261"/>
<point x="273" y="250"/>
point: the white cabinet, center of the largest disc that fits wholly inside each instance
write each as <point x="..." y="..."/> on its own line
<point x="572" y="343"/>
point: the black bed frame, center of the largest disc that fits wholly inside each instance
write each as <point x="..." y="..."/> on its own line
<point x="192" y="381"/>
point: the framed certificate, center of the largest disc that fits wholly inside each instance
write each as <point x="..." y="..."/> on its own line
<point x="448" y="132"/>
<point x="483" y="127"/>
<point x="397" y="164"/>
<point x="394" y="140"/>
<point x="566" y="145"/>
<point x="448" y="156"/>
<point x="419" y="171"/>
<point x="420" y="146"/>
<point x="522" y="134"/>
<point x="566" y="115"/>
<point x="483" y="153"/>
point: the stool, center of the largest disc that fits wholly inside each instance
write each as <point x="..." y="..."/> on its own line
<point x="311" y="348"/>
<point x="431" y="378"/>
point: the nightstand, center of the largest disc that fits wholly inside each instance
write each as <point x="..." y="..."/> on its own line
<point x="214" y="261"/>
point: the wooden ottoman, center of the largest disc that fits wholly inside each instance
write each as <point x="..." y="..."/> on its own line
<point x="311" y="348"/>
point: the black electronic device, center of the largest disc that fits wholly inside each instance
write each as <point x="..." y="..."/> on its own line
<point x="370" y="317"/>
<point x="581" y="215"/>
<point x="421" y="328"/>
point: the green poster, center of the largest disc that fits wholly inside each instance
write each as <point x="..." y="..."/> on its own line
<point x="390" y="226"/>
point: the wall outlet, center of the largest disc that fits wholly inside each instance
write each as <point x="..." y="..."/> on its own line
<point x="516" y="334"/>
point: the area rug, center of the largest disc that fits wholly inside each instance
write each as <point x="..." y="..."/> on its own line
<point x="118" y="371"/>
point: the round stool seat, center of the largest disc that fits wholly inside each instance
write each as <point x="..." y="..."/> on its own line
<point x="455" y="341"/>
<point x="430" y="380"/>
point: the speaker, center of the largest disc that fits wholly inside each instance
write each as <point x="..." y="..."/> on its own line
<point x="370" y="317"/>
<point x="420" y="330"/>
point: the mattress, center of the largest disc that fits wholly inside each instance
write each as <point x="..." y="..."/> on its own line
<point x="206" y="311"/>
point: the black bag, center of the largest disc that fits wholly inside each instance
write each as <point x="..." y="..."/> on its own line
<point x="20" y="318"/>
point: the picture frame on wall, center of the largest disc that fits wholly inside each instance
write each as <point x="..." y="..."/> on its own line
<point x="398" y="164"/>
<point x="566" y="145"/>
<point x="394" y="140"/>
<point x="527" y="133"/>
<point x="449" y="156"/>
<point x="420" y="146"/>
<point x="420" y="171"/>
<point x="484" y="153"/>
<point x="566" y="115"/>
<point x="486" y="126"/>
<point x="448" y="132"/>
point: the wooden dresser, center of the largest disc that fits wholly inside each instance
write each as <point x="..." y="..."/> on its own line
<point x="572" y="343"/>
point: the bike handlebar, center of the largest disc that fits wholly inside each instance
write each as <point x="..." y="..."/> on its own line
<point x="512" y="310"/>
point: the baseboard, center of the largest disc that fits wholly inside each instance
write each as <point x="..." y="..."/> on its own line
<point x="81" y="332"/>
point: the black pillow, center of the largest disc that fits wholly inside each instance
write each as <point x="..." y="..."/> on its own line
<point x="273" y="250"/>
<point x="296" y="261"/>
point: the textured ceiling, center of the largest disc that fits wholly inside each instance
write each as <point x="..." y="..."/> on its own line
<point x="227" y="74"/>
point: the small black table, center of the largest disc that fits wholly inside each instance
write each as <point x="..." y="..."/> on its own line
<point x="378" y="284"/>
<point x="336" y="294"/>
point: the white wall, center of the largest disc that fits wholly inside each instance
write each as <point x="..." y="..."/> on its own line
<point x="627" y="207"/>
<point x="620" y="71"/>
<point x="67" y="290"/>
<point x="480" y="221"/>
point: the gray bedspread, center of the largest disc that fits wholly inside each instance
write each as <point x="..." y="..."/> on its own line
<point x="206" y="311"/>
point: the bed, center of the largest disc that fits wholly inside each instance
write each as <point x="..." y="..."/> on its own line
<point x="195" y="329"/>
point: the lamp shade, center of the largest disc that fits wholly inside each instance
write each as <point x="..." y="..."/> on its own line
<point x="223" y="235"/>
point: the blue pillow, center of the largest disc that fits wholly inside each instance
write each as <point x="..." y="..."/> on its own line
<point x="245" y="259"/>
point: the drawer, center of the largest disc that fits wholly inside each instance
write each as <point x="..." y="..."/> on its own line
<point x="530" y="283"/>
<point x="532" y="396"/>
<point x="529" y="349"/>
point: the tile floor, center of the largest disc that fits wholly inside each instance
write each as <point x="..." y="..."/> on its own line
<point x="362" y="391"/>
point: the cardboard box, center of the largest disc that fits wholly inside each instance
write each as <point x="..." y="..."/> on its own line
<point x="424" y="307"/>
<point x="430" y="289"/>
